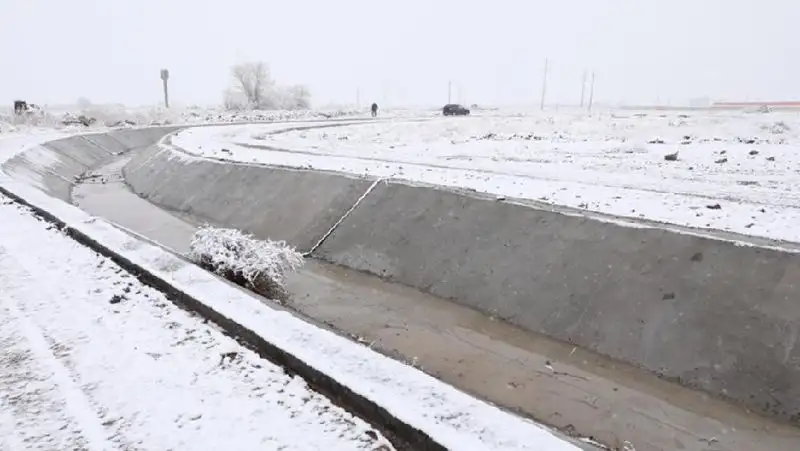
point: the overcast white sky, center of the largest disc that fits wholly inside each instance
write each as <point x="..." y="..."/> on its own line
<point x="54" y="51"/>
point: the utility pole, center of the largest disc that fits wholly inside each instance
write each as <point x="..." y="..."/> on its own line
<point x="544" y="84"/>
<point x="583" y="87"/>
<point x="591" y="93"/>
<point x="164" y="78"/>
<point x="449" y="91"/>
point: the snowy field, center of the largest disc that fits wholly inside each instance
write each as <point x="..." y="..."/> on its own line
<point x="92" y="359"/>
<point x="120" y="116"/>
<point x="731" y="171"/>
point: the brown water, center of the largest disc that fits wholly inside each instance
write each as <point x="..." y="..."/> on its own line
<point x="578" y="392"/>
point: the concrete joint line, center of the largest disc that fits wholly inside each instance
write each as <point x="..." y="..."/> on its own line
<point x="56" y="151"/>
<point x="57" y="175"/>
<point x="161" y="148"/>
<point x="344" y="216"/>
<point x="91" y="141"/>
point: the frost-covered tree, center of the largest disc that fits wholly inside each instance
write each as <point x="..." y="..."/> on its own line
<point x="233" y="99"/>
<point x="253" y="88"/>
<point x="253" y="81"/>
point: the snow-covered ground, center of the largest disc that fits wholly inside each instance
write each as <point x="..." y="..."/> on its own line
<point x="92" y="359"/>
<point x="15" y="142"/>
<point x="121" y="116"/>
<point x="732" y="171"/>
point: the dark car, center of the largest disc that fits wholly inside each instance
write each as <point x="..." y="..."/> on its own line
<point x="453" y="109"/>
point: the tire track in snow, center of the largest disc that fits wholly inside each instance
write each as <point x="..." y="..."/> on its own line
<point x="541" y="176"/>
<point x="12" y="277"/>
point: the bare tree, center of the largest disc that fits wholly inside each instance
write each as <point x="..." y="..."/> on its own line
<point x="253" y="81"/>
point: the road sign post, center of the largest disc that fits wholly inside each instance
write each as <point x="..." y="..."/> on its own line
<point x="164" y="78"/>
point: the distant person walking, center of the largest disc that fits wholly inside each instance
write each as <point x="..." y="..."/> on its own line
<point x="374" y="109"/>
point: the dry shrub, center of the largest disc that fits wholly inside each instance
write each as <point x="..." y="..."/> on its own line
<point x="258" y="265"/>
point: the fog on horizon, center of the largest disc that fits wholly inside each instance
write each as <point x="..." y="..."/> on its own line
<point x="403" y="53"/>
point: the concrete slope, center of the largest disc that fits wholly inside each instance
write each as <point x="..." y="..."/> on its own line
<point x="296" y="206"/>
<point x="707" y="313"/>
<point x="54" y="166"/>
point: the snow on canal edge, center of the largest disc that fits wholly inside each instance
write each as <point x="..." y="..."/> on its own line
<point x="736" y="172"/>
<point x="91" y="358"/>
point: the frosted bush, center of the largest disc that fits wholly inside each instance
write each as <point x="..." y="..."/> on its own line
<point x="777" y="128"/>
<point x="6" y="126"/>
<point x="35" y="117"/>
<point x="120" y="116"/>
<point x="116" y="115"/>
<point x="259" y="265"/>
